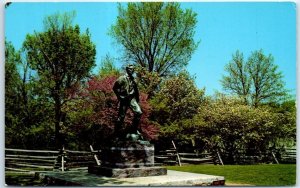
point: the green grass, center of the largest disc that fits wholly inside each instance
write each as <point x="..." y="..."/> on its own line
<point x="258" y="175"/>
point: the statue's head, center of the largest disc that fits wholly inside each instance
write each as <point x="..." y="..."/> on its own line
<point x="130" y="69"/>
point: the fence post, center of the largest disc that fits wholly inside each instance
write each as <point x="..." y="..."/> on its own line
<point x="63" y="159"/>
<point x="178" y="157"/>
<point x="95" y="155"/>
<point x="220" y="159"/>
<point x="275" y="157"/>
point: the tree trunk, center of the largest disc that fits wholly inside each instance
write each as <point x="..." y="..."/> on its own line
<point x="58" y="138"/>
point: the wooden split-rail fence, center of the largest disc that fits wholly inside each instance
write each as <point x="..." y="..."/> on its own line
<point x="289" y="155"/>
<point x="173" y="157"/>
<point x="169" y="157"/>
<point x="30" y="161"/>
<point x="20" y="160"/>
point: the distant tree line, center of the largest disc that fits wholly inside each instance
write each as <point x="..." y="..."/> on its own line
<point x="53" y="99"/>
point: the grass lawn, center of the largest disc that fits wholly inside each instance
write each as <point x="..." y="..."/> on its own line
<point x="259" y="175"/>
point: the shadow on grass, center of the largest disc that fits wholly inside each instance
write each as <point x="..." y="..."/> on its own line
<point x="17" y="179"/>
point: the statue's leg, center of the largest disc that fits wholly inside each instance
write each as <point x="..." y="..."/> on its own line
<point x="121" y="115"/>
<point x="135" y="107"/>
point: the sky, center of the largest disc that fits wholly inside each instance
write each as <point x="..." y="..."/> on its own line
<point x="222" y="28"/>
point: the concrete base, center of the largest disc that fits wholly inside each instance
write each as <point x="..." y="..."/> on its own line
<point x="173" y="178"/>
<point x="127" y="172"/>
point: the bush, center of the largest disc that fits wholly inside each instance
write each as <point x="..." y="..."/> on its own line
<point x="238" y="130"/>
<point x="177" y="102"/>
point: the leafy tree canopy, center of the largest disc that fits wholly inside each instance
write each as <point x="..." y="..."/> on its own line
<point x="157" y="37"/>
<point x="178" y="98"/>
<point x="62" y="57"/>
<point x="12" y="61"/>
<point x="108" y="68"/>
<point x="256" y="80"/>
<point x="27" y="124"/>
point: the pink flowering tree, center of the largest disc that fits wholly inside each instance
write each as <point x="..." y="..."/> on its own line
<point x="94" y="110"/>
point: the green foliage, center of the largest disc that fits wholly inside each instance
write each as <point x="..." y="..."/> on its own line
<point x="236" y="129"/>
<point x="186" y="133"/>
<point x="61" y="55"/>
<point x="247" y="175"/>
<point x="287" y="111"/>
<point x="238" y="80"/>
<point x="12" y="92"/>
<point x="12" y="78"/>
<point x="26" y="124"/>
<point x="257" y="80"/>
<point x="174" y="107"/>
<point x="108" y="67"/>
<point x="62" y="58"/>
<point x="178" y="99"/>
<point x="78" y="130"/>
<point x="157" y="37"/>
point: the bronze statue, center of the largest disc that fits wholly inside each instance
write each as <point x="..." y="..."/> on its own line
<point x="127" y="93"/>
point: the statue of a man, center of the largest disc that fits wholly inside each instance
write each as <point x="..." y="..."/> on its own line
<point x="127" y="92"/>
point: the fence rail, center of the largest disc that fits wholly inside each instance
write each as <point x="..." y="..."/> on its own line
<point x="289" y="156"/>
<point x="173" y="157"/>
<point x="21" y="160"/>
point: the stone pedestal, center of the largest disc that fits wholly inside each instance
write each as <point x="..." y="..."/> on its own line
<point x="127" y="172"/>
<point x="127" y="159"/>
